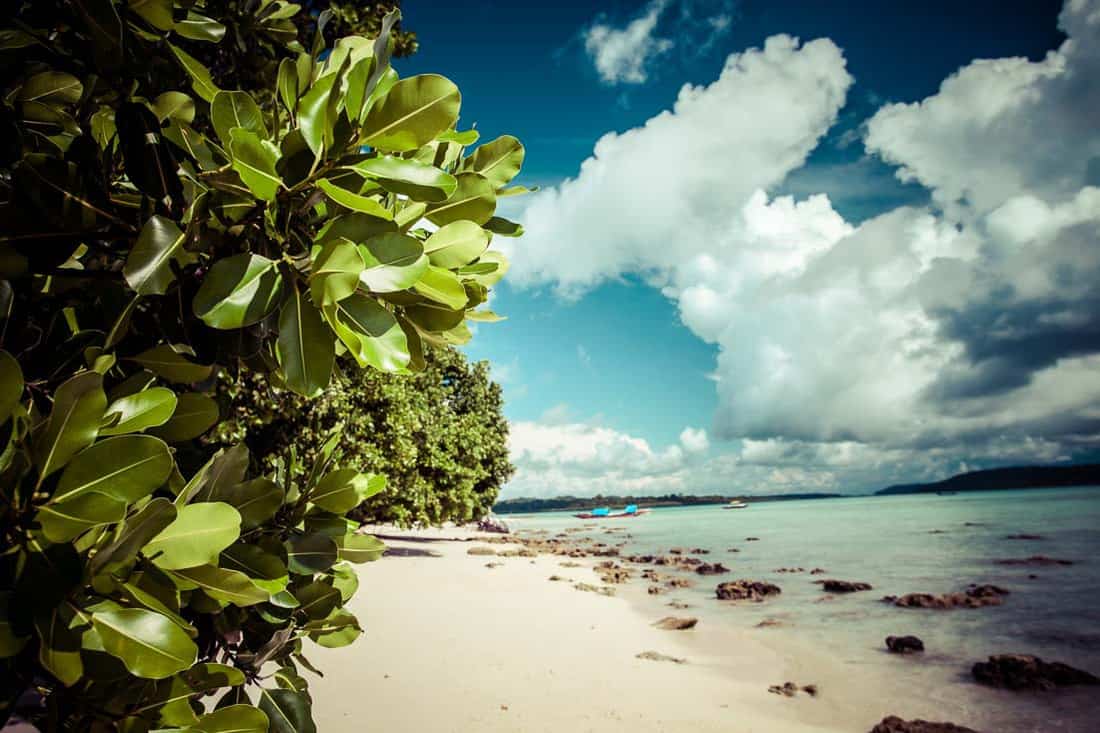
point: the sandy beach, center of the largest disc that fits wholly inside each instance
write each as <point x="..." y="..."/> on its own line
<point x="453" y="645"/>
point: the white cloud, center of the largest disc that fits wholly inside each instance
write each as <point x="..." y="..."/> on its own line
<point x="622" y="55"/>
<point x="694" y="440"/>
<point x="919" y="341"/>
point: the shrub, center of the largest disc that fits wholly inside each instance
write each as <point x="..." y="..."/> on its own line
<point x="159" y="228"/>
<point x="438" y="435"/>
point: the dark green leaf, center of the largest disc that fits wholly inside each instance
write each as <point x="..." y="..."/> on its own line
<point x="256" y="500"/>
<point x="127" y="468"/>
<point x="51" y="87"/>
<point x="221" y="584"/>
<point x="11" y="385"/>
<point x="138" y="530"/>
<point x="59" y="646"/>
<point x="311" y="553"/>
<point x="236" y="109"/>
<point x="305" y="346"/>
<point x="287" y="711"/>
<point x="335" y="274"/>
<point x="78" y="407"/>
<point x="239" y="291"/>
<point x="232" y="719"/>
<point x="317" y="600"/>
<point x="195" y="414"/>
<point x="166" y="363"/>
<point x="62" y="521"/>
<point x="201" y="82"/>
<point x="370" y="332"/>
<point x="148" y="269"/>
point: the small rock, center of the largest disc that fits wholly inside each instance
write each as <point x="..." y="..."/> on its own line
<point x="768" y="623"/>
<point x="810" y="690"/>
<point x="1024" y="536"/>
<point x="904" y="644"/>
<point x="675" y="623"/>
<point x="746" y="590"/>
<point x="818" y="571"/>
<point x="655" y="590"/>
<point x="752" y="539"/>
<point x="708" y="568"/>
<point x="1027" y="672"/>
<point x="842" y="586"/>
<point x="1034" y="560"/>
<point x="676" y="551"/>
<point x="658" y="657"/>
<point x="733" y="549"/>
<point x="678" y="605"/>
<point x="699" y="551"/>
<point x="481" y="551"/>
<point x="493" y="564"/>
<point x="894" y="724"/>
<point x="680" y="582"/>
<point x="789" y="689"/>
<point x="556" y="578"/>
<point x="570" y="564"/>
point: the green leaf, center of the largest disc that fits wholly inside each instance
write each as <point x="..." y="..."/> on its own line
<point x="62" y="521"/>
<point x="78" y="407"/>
<point x="51" y="87"/>
<point x="394" y="262"/>
<point x="317" y="600"/>
<point x="236" y="109"/>
<point x="149" y="644"/>
<point x="360" y="548"/>
<point x="239" y="291"/>
<point x="224" y="470"/>
<point x="504" y="227"/>
<point x="264" y="569"/>
<point x="200" y="28"/>
<point x="195" y="414"/>
<point x="287" y="711"/>
<point x="232" y="719"/>
<point x="138" y="530"/>
<point x="166" y="363"/>
<point x="148" y="268"/>
<point x="174" y="106"/>
<point x="255" y="500"/>
<point x="474" y="199"/>
<point x="201" y="82"/>
<point x="146" y="599"/>
<point x="305" y="346"/>
<point x="456" y="244"/>
<point x="288" y="85"/>
<point x="466" y="137"/>
<point x="339" y="629"/>
<point x="310" y="553"/>
<point x="59" y="646"/>
<point x="157" y="13"/>
<point x="221" y="584"/>
<point x="337" y="491"/>
<point x="127" y="467"/>
<point x="139" y="411"/>
<point x="370" y="332"/>
<point x="499" y="160"/>
<point x="412" y="113"/>
<point x="354" y="201"/>
<point x="313" y="114"/>
<point x="335" y="273"/>
<point x="254" y="159"/>
<point x="442" y="286"/>
<point x="491" y="268"/>
<point x="11" y="385"/>
<point x="411" y="178"/>
<point x="345" y="579"/>
<point x="197" y="536"/>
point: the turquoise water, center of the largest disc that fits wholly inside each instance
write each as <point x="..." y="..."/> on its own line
<point x="903" y="544"/>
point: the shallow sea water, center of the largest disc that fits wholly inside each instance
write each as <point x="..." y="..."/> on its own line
<point x="903" y="544"/>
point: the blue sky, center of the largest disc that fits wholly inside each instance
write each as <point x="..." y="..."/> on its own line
<point x="620" y="352"/>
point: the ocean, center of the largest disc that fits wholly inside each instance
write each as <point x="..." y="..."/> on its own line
<point x="903" y="544"/>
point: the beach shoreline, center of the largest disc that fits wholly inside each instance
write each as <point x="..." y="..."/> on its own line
<point x="453" y="645"/>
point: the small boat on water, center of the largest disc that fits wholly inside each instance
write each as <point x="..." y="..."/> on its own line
<point x="736" y="504"/>
<point x="604" y="512"/>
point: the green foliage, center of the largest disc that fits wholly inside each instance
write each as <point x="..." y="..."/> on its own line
<point x="169" y="222"/>
<point x="438" y="435"/>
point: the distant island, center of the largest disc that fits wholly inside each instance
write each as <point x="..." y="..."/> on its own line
<point x="1017" y="477"/>
<point x="571" y="503"/>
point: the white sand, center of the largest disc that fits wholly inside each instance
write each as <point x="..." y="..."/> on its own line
<point x="452" y="645"/>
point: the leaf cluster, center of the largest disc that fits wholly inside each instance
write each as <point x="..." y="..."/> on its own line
<point x="161" y="226"/>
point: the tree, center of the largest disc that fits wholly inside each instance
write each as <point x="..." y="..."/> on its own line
<point x="159" y="228"/>
<point x="439" y="435"/>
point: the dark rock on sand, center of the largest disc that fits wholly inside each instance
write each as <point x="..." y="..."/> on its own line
<point x="975" y="596"/>
<point x="556" y="578"/>
<point x="658" y="657"/>
<point x="894" y="724"/>
<point x="603" y="590"/>
<point x="680" y="583"/>
<point x="904" y="644"/>
<point x="655" y="590"/>
<point x="768" y="623"/>
<point x="678" y="605"/>
<point x="709" y="568"/>
<point x="481" y="551"/>
<point x="1024" y="536"/>
<point x="676" y="623"/>
<point x="746" y="590"/>
<point x="1027" y="672"/>
<point x="1034" y="560"/>
<point x="790" y="689"/>
<point x="842" y="586"/>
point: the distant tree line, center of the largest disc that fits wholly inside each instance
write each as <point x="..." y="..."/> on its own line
<point x="570" y="503"/>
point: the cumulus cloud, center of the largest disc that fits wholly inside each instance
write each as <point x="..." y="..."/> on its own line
<point x="920" y="341"/>
<point x="623" y="55"/>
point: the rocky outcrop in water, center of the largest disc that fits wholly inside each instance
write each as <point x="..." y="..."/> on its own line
<point x="904" y="644"/>
<point x="842" y="586"/>
<point x="1027" y="672"/>
<point x="894" y="724"/>
<point x="975" y="596"/>
<point x="709" y="568"/>
<point x="746" y="590"/>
